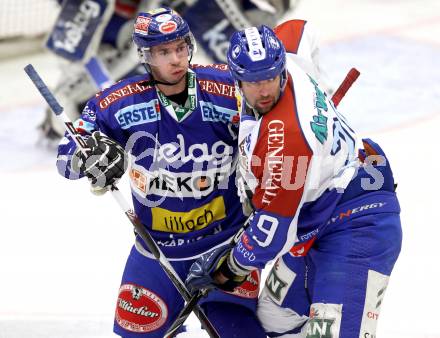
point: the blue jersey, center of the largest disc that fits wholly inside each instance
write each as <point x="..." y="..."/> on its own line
<point x="182" y="172"/>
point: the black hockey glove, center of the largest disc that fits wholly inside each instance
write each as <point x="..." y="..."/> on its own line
<point x="104" y="165"/>
<point x="211" y="270"/>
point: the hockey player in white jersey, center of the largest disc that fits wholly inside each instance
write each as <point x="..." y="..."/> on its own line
<point x="179" y="125"/>
<point x="324" y="203"/>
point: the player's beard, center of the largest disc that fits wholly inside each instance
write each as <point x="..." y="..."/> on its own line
<point x="264" y="105"/>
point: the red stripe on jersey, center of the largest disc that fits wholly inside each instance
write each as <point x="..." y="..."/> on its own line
<point x="281" y="158"/>
<point x="290" y="34"/>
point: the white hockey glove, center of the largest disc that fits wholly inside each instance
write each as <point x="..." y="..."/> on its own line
<point x="104" y="165"/>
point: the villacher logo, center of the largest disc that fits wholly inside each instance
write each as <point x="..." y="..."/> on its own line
<point x="140" y="310"/>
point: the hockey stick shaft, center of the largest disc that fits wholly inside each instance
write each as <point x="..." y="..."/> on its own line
<point x="345" y="85"/>
<point x="184" y="314"/>
<point x="186" y="311"/>
<point x="140" y="229"/>
<point x="339" y="94"/>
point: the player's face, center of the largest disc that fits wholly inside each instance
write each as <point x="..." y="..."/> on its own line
<point x="169" y="61"/>
<point x="262" y="95"/>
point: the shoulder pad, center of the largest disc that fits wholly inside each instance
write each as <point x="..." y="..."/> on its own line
<point x="216" y="71"/>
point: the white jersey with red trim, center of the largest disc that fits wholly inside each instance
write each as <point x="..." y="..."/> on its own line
<point x="301" y="43"/>
<point x="298" y="158"/>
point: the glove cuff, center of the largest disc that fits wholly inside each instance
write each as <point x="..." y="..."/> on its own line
<point x="234" y="267"/>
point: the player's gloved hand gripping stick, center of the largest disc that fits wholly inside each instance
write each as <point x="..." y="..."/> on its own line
<point x="140" y="229"/>
<point x="212" y="262"/>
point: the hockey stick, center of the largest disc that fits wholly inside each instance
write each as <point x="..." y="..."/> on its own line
<point x="339" y="94"/>
<point x="343" y="88"/>
<point x="140" y="229"/>
<point x="186" y="311"/>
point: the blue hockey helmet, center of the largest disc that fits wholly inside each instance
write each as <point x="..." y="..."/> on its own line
<point x="256" y="54"/>
<point x="159" y="26"/>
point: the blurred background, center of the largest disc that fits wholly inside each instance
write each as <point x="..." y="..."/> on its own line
<point x="62" y="250"/>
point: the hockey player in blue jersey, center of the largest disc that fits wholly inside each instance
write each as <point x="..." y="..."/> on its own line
<point x="325" y="207"/>
<point x="101" y="29"/>
<point x="178" y="126"/>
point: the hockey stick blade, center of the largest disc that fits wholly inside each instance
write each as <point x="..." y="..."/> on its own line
<point x="140" y="229"/>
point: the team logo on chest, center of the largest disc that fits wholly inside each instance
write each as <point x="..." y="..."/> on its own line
<point x="319" y="123"/>
<point x="217" y="153"/>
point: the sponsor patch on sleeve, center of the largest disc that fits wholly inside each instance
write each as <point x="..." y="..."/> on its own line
<point x="83" y="127"/>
